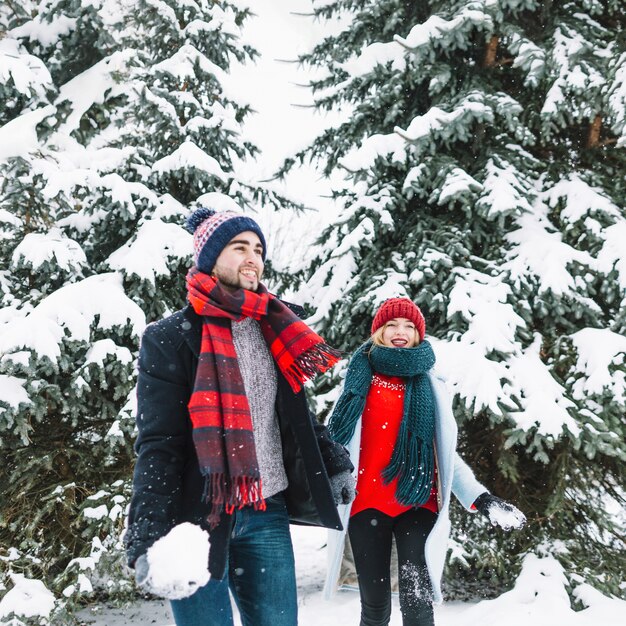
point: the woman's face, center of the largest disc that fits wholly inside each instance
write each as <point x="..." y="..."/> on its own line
<point x="400" y="332"/>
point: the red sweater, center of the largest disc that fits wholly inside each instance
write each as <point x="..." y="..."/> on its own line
<point x="379" y="430"/>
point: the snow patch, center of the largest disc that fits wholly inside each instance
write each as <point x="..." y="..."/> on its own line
<point x="540" y="597"/>
<point x="27" y="598"/>
<point x="448" y="124"/>
<point x="103" y="348"/>
<point x="611" y="256"/>
<point x="504" y="191"/>
<point x="484" y="302"/>
<point x="218" y="202"/>
<point x="435" y="28"/>
<point x="96" y="512"/>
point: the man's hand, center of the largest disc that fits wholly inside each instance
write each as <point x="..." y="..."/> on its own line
<point x="343" y="487"/>
<point x="142" y="573"/>
<point x="499" y="512"/>
<point x="170" y="590"/>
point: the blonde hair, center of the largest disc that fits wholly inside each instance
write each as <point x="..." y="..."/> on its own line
<point x="377" y="336"/>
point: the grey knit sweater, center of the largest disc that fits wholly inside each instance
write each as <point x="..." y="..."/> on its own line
<point x="259" y="379"/>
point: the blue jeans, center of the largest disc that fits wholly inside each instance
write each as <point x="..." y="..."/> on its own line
<point x="260" y="574"/>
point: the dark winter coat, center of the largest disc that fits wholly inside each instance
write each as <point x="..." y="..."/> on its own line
<point x="167" y="484"/>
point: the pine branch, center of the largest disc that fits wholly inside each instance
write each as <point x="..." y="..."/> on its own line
<point x="12" y="7"/>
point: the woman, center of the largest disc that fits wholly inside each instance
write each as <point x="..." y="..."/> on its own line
<point x="395" y="417"/>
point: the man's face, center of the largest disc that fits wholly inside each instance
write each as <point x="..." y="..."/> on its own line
<point x="240" y="264"/>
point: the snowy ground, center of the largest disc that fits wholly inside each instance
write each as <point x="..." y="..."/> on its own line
<point x="538" y="599"/>
<point x="313" y="609"/>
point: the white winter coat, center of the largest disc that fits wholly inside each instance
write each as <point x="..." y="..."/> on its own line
<point x="454" y="477"/>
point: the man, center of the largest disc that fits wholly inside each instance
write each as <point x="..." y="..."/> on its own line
<point x="225" y="438"/>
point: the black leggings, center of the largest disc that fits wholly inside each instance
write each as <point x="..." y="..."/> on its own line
<point x="370" y="534"/>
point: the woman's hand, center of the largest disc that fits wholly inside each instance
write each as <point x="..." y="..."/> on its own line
<point x="499" y="512"/>
<point x="343" y="487"/>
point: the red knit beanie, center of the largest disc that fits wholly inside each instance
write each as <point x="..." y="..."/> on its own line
<point x="399" y="307"/>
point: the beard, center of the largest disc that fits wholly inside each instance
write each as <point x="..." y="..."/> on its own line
<point x="233" y="280"/>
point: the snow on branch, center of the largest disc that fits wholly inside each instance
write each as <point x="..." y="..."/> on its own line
<point x="580" y="199"/>
<point x="189" y="155"/>
<point x="446" y="34"/>
<point x="539" y="253"/>
<point x="362" y="158"/>
<point x="617" y="97"/>
<point x="28" y="73"/>
<point x="37" y="249"/>
<point x="333" y="278"/>
<point x="376" y="54"/>
<point x="543" y="400"/>
<point x="93" y="86"/>
<point x="484" y="302"/>
<point x="611" y="256"/>
<point x="181" y="65"/>
<point x="148" y="254"/>
<point x="574" y="74"/>
<point x="47" y="33"/>
<point x="458" y="183"/>
<point x="70" y="312"/>
<point x="600" y="353"/>
<point x="477" y="379"/>
<point x="13" y="393"/>
<point x="529" y="57"/>
<point x="222" y="20"/>
<point x="19" y="136"/>
<point x="505" y="190"/>
<point x="444" y="124"/>
<point x="27" y="598"/>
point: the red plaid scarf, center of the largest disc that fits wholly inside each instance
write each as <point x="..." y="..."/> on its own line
<point x="218" y="407"/>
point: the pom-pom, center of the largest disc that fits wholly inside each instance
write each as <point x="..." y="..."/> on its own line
<point x="197" y="217"/>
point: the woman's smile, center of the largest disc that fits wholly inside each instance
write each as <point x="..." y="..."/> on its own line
<point x="399" y="332"/>
<point x="399" y="342"/>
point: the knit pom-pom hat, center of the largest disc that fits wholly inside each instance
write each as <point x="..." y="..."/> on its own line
<point x="399" y="307"/>
<point x="212" y="231"/>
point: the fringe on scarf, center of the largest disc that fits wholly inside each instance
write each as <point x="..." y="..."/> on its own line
<point x="315" y="360"/>
<point x="415" y="471"/>
<point x="227" y="497"/>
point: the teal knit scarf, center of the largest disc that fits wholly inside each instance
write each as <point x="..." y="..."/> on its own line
<point x="413" y="458"/>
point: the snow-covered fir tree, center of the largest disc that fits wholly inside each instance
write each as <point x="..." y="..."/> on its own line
<point x="115" y="117"/>
<point x="484" y="163"/>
